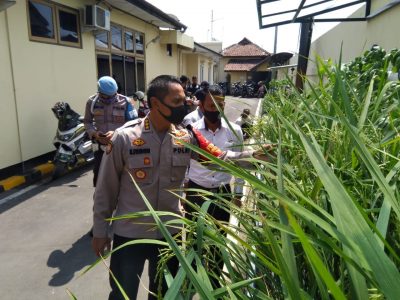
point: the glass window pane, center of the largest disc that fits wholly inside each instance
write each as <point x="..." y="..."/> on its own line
<point x="68" y="26"/>
<point x="101" y="39"/>
<point x="140" y="76"/>
<point x="118" y="72"/>
<point x="128" y="41"/>
<point x="103" y="65"/>
<point x="139" y="40"/>
<point x="41" y="20"/>
<point x="116" y="38"/>
<point x="130" y="75"/>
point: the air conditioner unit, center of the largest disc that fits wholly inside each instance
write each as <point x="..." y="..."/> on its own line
<point x="96" y="17"/>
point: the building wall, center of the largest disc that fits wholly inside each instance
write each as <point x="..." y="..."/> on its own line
<point x="10" y="148"/>
<point x="357" y="37"/>
<point x="46" y="73"/>
<point x="208" y="69"/>
<point x="238" y="76"/>
<point x="158" y="62"/>
<point x="192" y="67"/>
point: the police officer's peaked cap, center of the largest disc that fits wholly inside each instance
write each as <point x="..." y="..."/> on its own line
<point x="107" y="85"/>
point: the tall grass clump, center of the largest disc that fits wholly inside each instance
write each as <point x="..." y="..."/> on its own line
<point x="321" y="218"/>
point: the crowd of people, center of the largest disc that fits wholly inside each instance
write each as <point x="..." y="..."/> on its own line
<point x="145" y="146"/>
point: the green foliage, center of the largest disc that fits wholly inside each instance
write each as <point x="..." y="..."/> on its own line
<point x="321" y="218"/>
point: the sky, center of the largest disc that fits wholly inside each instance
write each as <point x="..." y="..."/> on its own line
<point x="233" y="20"/>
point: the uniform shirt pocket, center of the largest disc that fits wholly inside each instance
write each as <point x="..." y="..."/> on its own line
<point x="141" y="168"/>
<point x="180" y="162"/>
<point x="98" y="115"/>
<point x="118" y="115"/>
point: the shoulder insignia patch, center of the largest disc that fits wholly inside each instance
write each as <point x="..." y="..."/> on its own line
<point x="146" y="124"/>
<point x="138" y="142"/>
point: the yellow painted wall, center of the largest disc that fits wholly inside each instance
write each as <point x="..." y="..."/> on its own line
<point x="357" y="37"/>
<point x="238" y="76"/>
<point x="262" y="68"/>
<point x="10" y="150"/>
<point x="193" y="64"/>
<point x="158" y="62"/>
<point x="47" y="73"/>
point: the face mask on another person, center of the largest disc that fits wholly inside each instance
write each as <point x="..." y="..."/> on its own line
<point x="212" y="116"/>
<point x="177" y="114"/>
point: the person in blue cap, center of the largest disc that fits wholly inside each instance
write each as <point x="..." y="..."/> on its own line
<point x="105" y="112"/>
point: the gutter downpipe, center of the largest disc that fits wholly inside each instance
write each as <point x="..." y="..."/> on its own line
<point x="14" y="91"/>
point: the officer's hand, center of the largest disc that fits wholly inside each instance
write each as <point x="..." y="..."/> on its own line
<point x="266" y="152"/>
<point x="99" y="245"/>
<point x="96" y="135"/>
<point x="109" y="135"/>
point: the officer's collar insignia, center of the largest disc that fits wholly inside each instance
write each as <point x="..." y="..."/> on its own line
<point x="146" y="124"/>
<point x="140" y="174"/>
<point x="109" y="147"/>
<point x="146" y="161"/>
<point x="138" y="142"/>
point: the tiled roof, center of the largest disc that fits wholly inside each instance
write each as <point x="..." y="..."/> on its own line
<point x="242" y="64"/>
<point x="245" y="48"/>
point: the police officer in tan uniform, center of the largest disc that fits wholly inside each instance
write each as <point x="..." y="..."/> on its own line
<point x="148" y="150"/>
<point x="106" y="111"/>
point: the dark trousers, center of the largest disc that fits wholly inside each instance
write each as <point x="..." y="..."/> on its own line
<point x="127" y="266"/>
<point x="96" y="165"/>
<point x="215" y="211"/>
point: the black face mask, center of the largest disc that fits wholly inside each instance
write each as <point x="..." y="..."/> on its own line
<point x="212" y="116"/>
<point x="177" y="114"/>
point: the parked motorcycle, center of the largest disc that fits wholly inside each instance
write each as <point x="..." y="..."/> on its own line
<point x="74" y="148"/>
<point x="237" y="89"/>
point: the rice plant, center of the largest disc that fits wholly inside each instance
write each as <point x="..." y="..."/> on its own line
<point x="321" y="218"/>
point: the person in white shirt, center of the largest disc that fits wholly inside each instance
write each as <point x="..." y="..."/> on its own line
<point x="216" y="130"/>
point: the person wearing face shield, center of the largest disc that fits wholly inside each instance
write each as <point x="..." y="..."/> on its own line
<point x="150" y="152"/>
<point x="106" y="111"/>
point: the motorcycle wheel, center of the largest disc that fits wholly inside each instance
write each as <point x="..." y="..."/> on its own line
<point x="59" y="169"/>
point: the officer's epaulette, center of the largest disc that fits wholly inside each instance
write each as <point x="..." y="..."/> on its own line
<point x="131" y="123"/>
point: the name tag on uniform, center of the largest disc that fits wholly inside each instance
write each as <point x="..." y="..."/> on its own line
<point x="139" y="151"/>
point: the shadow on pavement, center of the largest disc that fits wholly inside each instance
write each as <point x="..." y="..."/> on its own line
<point x="68" y="263"/>
<point x="43" y="186"/>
